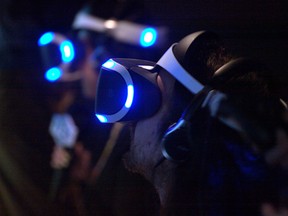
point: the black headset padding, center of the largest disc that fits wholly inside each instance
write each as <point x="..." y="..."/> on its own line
<point x="188" y="48"/>
<point x="184" y="51"/>
<point x="233" y="68"/>
<point x="188" y="52"/>
<point x="256" y="132"/>
<point x="174" y="148"/>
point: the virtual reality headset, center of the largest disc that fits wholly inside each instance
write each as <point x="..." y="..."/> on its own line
<point x="59" y="55"/>
<point x="127" y="89"/>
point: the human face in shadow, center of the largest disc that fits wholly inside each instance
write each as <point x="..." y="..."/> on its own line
<point x="145" y="149"/>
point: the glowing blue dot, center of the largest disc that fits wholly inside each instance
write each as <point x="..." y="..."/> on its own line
<point x="67" y="51"/>
<point x="45" y="39"/>
<point x="53" y="74"/>
<point x="101" y="118"/>
<point x="109" y="64"/>
<point x="130" y="96"/>
<point x="148" y="37"/>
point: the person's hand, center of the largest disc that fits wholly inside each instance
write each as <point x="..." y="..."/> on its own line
<point x="60" y="158"/>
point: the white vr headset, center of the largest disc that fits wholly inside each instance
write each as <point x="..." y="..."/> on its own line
<point x="121" y="77"/>
<point x="123" y="31"/>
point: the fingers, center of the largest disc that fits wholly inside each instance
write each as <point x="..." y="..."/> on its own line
<point x="60" y="158"/>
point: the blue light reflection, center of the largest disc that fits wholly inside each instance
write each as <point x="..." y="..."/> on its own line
<point x="67" y="51"/>
<point x="101" y="118"/>
<point x="53" y="74"/>
<point x="45" y="38"/>
<point x="109" y="64"/>
<point x="148" y="37"/>
<point x="130" y="96"/>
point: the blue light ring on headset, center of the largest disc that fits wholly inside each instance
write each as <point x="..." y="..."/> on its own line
<point x="113" y="65"/>
<point x="169" y="62"/>
<point x="64" y="44"/>
<point x="67" y="53"/>
<point x="57" y="73"/>
<point x="53" y="74"/>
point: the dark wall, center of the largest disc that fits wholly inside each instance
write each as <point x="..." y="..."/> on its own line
<point x="250" y="28"/>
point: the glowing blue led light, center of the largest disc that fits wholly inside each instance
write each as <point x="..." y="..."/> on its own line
<point x="45" y="39"/>
<point x="109" y="64"/>
<point x="53" y="74"/>
<point x="130" y="96"/>
<point x="148" y="37"/>
<point x="101" y="118"/>
<point x="67" y="51"/>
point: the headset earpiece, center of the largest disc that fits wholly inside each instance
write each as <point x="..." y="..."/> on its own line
<point x="174" y="147"/>
<point x="192" y="53"/>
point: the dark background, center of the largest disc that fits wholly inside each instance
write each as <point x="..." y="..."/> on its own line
<point x="250" y="28"/>
<point x="255" y="28"/>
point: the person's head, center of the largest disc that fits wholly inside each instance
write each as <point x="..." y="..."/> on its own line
<point x="201" y="54"/>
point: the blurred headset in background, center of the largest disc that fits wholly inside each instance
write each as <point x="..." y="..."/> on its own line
<point x="62" y="53"/>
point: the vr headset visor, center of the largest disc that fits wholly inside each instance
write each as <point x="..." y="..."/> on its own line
<point x="128" y="91"/>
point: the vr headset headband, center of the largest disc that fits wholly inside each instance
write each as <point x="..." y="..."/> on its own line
<point x="171" y="62"/>
<point x="121" y="30"/>
<point x="127" y="90"/>
<point x="168" y="62"/>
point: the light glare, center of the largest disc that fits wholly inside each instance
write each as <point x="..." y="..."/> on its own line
<point x="109" y="64"/>
<point x="67" y="51"/>
<point x="45" y="38"/>
<point x="130" y="96"/>
<point x="101" y="118"/>
<point x="110" y="24"/>
<point x="148" y="37"/>
<point x="147" y="67"/>
<point x="53" y="74"/>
